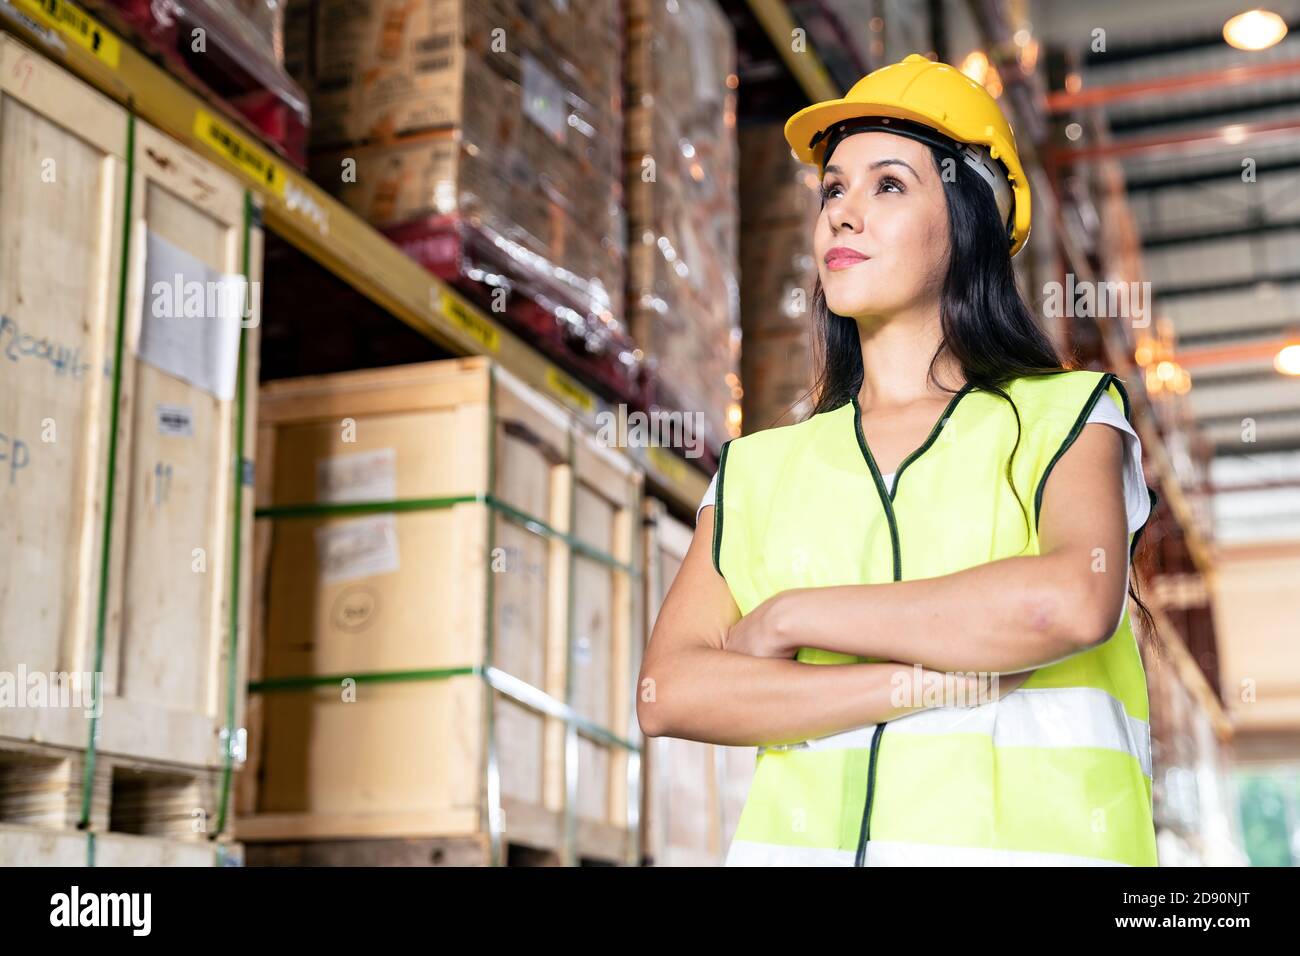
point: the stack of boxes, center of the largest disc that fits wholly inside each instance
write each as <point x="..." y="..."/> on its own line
<point x="491" y="141"/>
<point x="683" y="291"/>
<point x="233" y="51"/>
<point x="484" y="137"/>
<point x="778" y="213"/>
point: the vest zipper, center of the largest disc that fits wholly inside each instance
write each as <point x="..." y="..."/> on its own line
<point x="887" y="499"/>
<point x="863" y="833"/>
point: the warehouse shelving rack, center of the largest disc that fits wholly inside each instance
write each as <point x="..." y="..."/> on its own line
<point x="805" y="66"/>
<point x="314" y="222"/>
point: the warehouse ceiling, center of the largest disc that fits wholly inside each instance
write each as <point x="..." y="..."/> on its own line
<point x="847" y="38"/>
<point x="1213" y="180"/>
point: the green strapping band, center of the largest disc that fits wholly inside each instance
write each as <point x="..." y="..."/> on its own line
<point x="498" y="680"/>
<point x="527" y="521"/>
<point x="232" y="668"/>
<point x="307" y="682"/>
<point x="88" y="776"/>
<point x="344" y="508"/>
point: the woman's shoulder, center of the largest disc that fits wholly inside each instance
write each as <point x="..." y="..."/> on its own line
<point x="1057" y="380"/>
<point x="1066" y="393"/>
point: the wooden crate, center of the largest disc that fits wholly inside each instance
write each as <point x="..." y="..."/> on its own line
<point x="51" y="520"/>
<point x="445" y="581"/>
<point x="68" y="194"/>
<point x="691" y="788"/>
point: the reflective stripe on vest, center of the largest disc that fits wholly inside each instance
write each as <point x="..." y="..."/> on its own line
<point x="1030" y="717"/>
<point x="1060" y="769"/>
<point x="882" y="853"/>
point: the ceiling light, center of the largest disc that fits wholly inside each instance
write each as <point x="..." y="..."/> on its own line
<point x="976" y="66"/>
<point x="1287" y="360"/>
<point x="1254" y="30"/>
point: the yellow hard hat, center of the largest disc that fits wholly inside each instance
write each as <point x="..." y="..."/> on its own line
<point x="934" y="96"/>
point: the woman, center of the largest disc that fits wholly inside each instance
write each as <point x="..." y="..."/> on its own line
<point x="907" y="531"/>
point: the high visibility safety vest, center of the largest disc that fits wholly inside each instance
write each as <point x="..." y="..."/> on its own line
<point x="1058" y="772"/>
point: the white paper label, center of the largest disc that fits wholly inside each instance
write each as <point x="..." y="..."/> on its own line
<point x="364" y="476"/>
<point x="359" y="548"/>
<point x="191" y="318"/>
<point x="176" y="421"/>
<point x="543" y="99"/>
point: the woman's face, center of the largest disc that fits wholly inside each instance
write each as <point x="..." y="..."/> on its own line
<point x="883" y="200"/>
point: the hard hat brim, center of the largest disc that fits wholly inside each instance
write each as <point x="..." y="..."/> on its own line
<point x="811" y="120"/>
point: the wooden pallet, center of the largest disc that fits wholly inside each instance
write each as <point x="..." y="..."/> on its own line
<point x="428" y="851"/>
<point x="406" y="851"/>
<point x="32" y="846"/>
<point x="139" y="810"/>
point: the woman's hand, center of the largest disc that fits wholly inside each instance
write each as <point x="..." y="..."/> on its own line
<point x="764" y="631"/>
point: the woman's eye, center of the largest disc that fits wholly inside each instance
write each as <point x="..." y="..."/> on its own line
<point x="886" y="183"/>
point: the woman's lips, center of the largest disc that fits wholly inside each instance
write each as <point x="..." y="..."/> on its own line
<point x="842" y="257"/>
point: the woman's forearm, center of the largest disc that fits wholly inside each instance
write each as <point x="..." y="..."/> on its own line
<point x="1006" y="615"/>
<point x="722" y="697"/>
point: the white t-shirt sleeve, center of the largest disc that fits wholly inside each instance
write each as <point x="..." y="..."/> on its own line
<point x="1136" y="502"/>
<point x="708" y="496"/>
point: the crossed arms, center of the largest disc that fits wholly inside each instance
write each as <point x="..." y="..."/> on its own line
<point x="709" y="674"/>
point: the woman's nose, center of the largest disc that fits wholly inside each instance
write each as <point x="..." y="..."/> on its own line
<point x="845" y="220"/>
<point x="844" y="216"/>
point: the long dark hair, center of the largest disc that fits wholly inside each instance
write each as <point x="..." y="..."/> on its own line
<point x="987" y="326"/>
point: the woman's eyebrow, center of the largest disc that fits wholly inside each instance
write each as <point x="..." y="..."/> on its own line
<point x="876" y="165"/>
<point x="896" y="162"/>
